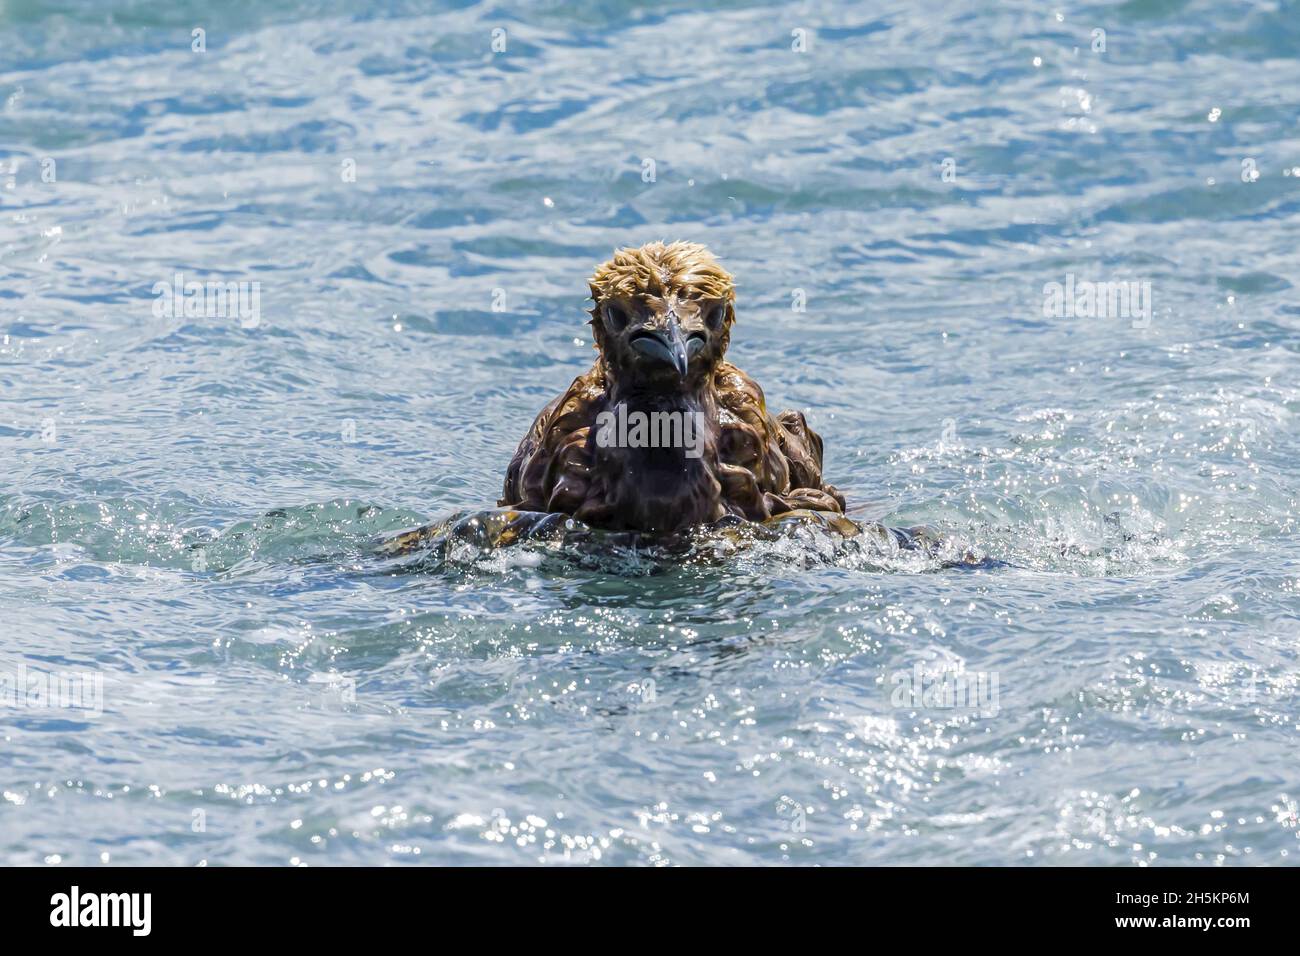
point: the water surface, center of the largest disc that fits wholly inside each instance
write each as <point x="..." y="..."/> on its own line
<point x="421" y="213"/>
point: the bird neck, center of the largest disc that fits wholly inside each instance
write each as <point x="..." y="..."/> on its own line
<point x="695" y="394"/>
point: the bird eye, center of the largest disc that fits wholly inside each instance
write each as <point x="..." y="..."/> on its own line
<point x="713" y="318"/>
<point x="615" y="316"/>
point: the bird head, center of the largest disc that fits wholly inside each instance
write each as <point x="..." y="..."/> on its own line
<point x="662" y="315"/>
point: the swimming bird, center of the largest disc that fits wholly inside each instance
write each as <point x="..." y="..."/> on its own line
<point x="662" y="433"/>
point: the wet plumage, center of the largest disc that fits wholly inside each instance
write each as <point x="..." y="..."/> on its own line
<point x="662" y="319"/>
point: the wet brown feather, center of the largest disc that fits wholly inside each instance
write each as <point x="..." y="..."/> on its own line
<point x="754" y="465"/>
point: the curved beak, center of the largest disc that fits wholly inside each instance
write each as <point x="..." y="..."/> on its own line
<point x="664" y="345"/>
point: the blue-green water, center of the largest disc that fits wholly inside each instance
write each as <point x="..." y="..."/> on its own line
<point x="421" y="212"/>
